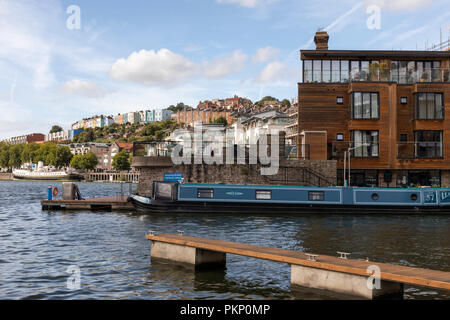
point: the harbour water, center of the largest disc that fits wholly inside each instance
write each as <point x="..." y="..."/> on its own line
<point x="110" y="250"/>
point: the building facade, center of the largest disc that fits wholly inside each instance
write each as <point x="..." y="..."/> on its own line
<point x="25" y="139"/>
<point x="389" y="109"/>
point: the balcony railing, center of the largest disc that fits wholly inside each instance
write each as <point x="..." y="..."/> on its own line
<point x="419" y="150"/>
<point x="428" y="75"/>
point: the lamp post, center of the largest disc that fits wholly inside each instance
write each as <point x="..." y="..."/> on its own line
<point x="348" y="183"/>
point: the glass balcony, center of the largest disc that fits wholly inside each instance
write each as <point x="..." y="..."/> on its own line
<point x="379" y="75"/>
<point x="419" y="150"/>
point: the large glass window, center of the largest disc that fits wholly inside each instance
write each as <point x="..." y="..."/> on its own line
<point x="402" y="72"/>
<point x="365" y="143"/>
<point x="344" y="70"/>
<point x="394" y="71"/>
<point x="354" y="72"/>
<point x="429" y="106"/>
<point x="317" y="70"/>
<point x="307" y="74"/>
<point x="436" y="72"/>
<point x="366" y="105"/>
<point x="429" y="144"/>
<point x="335" y="71"/>
<point x="326" y="71"/>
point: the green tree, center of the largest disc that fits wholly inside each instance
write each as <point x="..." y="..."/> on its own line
<point x="121" y="161"/>
<point x="15" y="156"/>
<point x="29" y="152"/>
<point x="55" y="129"/>
<point x="286" y="103"/>
<point x="221" y="120"/>
<point x="46" y="154"/>
<point x="4" y="156"/>
<point x="84" y="162"/>
<point x="63" y="156"/>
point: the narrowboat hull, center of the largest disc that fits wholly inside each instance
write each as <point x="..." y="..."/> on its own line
<point x="245" y="208"/>
<point x="199" y="198"/>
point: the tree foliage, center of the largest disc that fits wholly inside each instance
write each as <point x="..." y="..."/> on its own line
<point x="55" y="129"/>
<point x="49" y="153"/>
<point x="285" y="103"/>
<point x="121" y="161"/>
<point x="84" y="161"/>
<point x="221" y="120"/>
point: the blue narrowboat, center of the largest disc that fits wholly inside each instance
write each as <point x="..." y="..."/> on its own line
<point x="180" y="197"/>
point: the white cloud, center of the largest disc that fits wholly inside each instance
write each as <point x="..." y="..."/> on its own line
<point x="266" y="54"/>
<point x="163" y="67"/>
<point x="221" y="67"/>
<point x="400" y="5"/>
<point x="272" y="72"/>
<point x="85" y="88"/>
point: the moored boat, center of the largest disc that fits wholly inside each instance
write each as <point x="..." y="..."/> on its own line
<point x="45" y="173"/>
<point x="179" y="197"/>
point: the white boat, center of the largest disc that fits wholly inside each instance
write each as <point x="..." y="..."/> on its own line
<point x="39" y="172"/>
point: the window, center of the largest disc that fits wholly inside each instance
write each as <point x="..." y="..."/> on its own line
<point x="205" y="193"/>
<point x="340" y="137"/>
<point x="344" y="71"/>
<point x="335" y="71"/>
<point x="403" y="137"/>
<point x="365" y="144"/>
<point x="339" y="100"/>
<point x="429" y="144"/>
<point x="365" y="105"/>
<point x="264" y="195"/>
<point x="430" y="106"/>
<point x="404" y="100"/>
<point x="316" y="196"/>
<point x="326" y="71"/>
<point x="307" y="71"/>
<point x="317" y="71"/>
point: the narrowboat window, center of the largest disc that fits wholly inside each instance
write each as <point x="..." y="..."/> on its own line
<point x="264" y="195"/>
<point x="205" y="193"/>
<point x="316" y="196"/>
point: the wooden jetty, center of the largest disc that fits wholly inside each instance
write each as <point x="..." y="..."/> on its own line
<point x="117" y="203"/>
<point x="360" y="278"/>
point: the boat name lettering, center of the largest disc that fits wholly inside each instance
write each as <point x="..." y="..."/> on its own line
<point x="234" y="194"/>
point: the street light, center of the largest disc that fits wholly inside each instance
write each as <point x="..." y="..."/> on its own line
<point x="348" y="183"/>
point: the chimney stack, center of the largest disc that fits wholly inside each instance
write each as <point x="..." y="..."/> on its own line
<point x="321" y="40"/>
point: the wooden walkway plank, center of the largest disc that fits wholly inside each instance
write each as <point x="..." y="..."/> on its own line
<point x="390" y="272"/>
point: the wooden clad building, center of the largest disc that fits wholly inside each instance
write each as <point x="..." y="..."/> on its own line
<point x="389" y="109"/>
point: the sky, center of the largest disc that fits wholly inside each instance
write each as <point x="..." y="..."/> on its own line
<point x="58" y="66"/>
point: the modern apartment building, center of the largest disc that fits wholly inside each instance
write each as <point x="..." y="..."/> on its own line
<point x="390" y="110"/>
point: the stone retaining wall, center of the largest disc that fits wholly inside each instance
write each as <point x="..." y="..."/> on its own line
<point x="6" y="176"/>
<point x="290" y="173"/>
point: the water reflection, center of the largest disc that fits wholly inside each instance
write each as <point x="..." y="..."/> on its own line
<point x="114" y="258"/>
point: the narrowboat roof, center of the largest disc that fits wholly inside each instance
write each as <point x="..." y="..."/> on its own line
<point x="301" y="187"/>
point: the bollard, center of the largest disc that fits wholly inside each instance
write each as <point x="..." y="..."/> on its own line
<point x="50" y="193"/>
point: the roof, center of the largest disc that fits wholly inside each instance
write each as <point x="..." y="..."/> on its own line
<point x="266" y="115"/>
<point x="375" y="54"/>
<point x="125" y="145"/>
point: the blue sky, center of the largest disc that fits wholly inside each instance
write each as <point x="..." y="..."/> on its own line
<point x="136" y="54"/>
